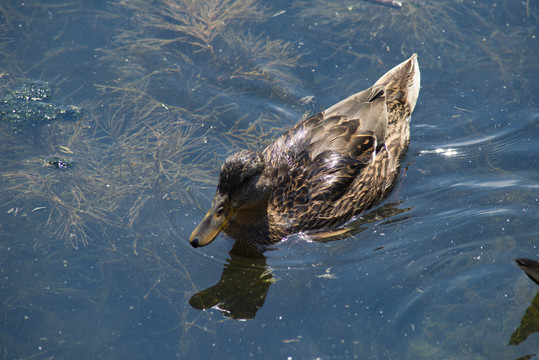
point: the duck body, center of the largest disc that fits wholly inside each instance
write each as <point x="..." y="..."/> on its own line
<point x="320" y="173"/>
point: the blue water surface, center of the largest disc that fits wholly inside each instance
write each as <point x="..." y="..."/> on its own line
<point x="95" y="260"/>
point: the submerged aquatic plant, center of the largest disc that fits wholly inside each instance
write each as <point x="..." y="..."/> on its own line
<point x="194" y="22"/>
<point x="430" y="23"/>
<point x="69" y="204"/>
<point x="121" y="166"/>
<point x="140" y="143"/>
<point x="441" y="31"/>
<point x="196" y="59"/>
<point x="154" y="156"/>
<point x="253" y="58"/>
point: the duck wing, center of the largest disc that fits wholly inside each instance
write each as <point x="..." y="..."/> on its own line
<point x="343" y="129"/>
<point x="344" y="160"/>
<point x="346" y="130"/>
<point x="315" y="164"/>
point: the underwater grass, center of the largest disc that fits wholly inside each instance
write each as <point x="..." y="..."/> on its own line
<point x="194" y="22"/>
<point x="444" y="33"/>
<point x="136" y="147"/>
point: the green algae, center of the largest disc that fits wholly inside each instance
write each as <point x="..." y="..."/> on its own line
<point x="31" y="105"/>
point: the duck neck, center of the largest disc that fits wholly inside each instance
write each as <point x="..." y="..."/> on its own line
<point x="250" y="226"/>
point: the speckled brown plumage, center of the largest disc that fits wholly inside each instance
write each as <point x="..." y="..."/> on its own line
<point x="321" y="172"/>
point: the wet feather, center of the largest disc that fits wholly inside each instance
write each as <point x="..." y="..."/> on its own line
<point x="320" y="173"/>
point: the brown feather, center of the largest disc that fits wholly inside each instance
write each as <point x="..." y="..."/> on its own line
<point x="327" y="168"/>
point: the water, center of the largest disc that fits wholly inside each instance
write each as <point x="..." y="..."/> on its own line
<point x="95" y="261"/>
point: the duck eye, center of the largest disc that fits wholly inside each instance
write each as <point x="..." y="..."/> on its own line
<point x="220" y="211"/>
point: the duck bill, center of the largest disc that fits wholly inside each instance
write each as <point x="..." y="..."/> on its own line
<point x="213" y="223"/>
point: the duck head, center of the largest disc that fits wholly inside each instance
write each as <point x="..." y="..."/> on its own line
<point x="242" y="193"/>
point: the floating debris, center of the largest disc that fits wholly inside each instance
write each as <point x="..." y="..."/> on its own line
<point x="58" y="162"/>
<point x="327" y="275"/>
<point x="30" y="105"/>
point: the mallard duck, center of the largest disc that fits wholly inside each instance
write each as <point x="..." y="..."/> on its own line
<point x="316" y="176"/>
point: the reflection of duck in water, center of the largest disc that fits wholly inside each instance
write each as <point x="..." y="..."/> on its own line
<point x="245" y="282"/>
<point x="240" y="292"/>
<point x="320" y="173"/>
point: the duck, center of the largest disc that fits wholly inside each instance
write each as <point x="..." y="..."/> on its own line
<point x="321" y="173"/>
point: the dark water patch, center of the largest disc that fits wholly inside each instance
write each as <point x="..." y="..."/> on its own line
<point x="31" y="105"/>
